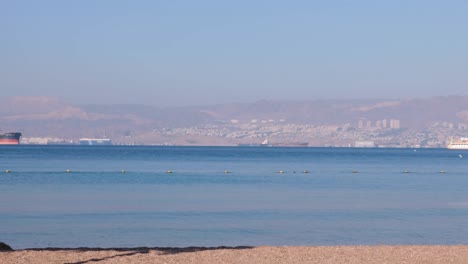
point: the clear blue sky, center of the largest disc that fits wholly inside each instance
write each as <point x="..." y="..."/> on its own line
<point x="205" y="52"/>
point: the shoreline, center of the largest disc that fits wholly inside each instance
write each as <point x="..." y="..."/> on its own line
<point x="244" y="254"/>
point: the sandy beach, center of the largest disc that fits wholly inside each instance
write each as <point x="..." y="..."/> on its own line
<point x="261" y="254"/>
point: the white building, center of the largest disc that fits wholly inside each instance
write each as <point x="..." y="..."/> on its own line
<point x="364" y="144"/>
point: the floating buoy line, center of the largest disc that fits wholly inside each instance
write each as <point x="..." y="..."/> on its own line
<point x="229" y="172"/>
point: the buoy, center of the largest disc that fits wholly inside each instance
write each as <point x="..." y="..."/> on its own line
<point x="68" y="171"/>
<point x="305" y="171"/>
<point x="169" y="171"/>
<point x="226" y="171"/>
<point x="7" y="171"/>
<point x="281" y="171"/>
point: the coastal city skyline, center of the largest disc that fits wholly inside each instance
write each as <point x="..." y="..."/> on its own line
<point x="414" y="123"/>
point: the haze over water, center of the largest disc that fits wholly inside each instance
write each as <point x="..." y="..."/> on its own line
<point x="198" y="204"/>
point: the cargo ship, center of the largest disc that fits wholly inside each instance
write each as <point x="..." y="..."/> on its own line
<point x="461" y="143"/>
<point x="95" y="141"/>
<point x="266" y="143"/>
<point x="292" y="144"/>
<point x="12" y="138"/>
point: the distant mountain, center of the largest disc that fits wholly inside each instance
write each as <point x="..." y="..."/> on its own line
<point x="413" y="113"/>
<point x="45" y="116"/>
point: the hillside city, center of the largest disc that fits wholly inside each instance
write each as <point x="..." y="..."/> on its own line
<point x="363" y="134"/>
<point x="386" y="133"/>
<point x="403" y="123"/>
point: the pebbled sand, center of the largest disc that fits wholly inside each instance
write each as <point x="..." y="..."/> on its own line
<point x="258" y="255"/>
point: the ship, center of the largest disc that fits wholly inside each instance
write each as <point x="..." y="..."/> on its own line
<point x="461" y="143"/>
<point x="265" y="143"/>
<point x="292" y="144"/>
<point x="11" y="138"/>
<point x="95" y="141"/>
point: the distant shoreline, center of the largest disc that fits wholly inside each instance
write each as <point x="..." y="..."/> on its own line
<point x="215" y="146"/>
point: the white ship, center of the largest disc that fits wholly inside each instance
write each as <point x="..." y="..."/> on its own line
<point x="265" y="143"/>
<point x="95" y="141"/>
<point x="461" y="143"/>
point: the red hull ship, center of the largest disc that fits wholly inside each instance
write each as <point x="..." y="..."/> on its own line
<point x="12" y="138"/>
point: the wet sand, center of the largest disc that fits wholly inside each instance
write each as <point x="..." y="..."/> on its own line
<point x="258" y="255"/>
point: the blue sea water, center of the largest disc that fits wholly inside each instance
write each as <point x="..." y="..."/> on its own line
<point x="96" y="205"/>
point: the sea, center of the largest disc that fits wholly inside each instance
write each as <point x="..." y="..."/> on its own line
<point x="157" y="196"/>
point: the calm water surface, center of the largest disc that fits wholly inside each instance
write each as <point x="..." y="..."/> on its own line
<point x="96" y="205"/>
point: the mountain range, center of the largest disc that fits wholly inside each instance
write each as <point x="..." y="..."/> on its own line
<point x="52" y="117"/>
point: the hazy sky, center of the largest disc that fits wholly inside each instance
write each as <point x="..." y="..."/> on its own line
<point x="204" y="52"/>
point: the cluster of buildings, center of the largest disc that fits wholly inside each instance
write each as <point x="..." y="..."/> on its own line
<point x="60" y="141"/>
<point x="378" y="133"/>
<point x="364" y="133"/>
<point x="391" y="123"/>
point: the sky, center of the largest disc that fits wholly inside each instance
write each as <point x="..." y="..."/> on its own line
<point x="178" y="53"/>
